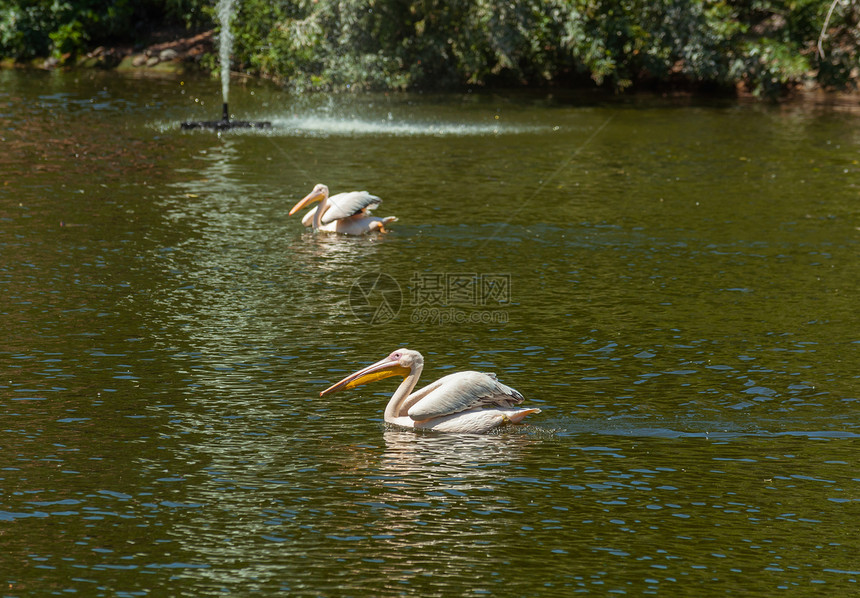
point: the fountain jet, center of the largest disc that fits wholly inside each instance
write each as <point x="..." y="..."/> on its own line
<point x="225" y="15"/>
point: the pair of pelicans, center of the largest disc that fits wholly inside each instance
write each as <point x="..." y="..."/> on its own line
<point x="465" y="402"/>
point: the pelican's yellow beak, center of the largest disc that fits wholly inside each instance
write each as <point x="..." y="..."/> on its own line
<point x="378" y="371"/>
<point x="315" y="195"/>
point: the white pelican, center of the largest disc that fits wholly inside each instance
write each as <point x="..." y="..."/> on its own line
<point x="347" y="213"/>
<point x="467" y="402"/>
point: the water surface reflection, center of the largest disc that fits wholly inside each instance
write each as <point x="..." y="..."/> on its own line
<point x="682" y="309"/>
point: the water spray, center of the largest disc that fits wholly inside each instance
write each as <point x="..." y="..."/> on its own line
<point x="225" y="16"/>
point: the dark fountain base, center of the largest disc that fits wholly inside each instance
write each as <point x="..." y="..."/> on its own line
<point x="225" y="123"/>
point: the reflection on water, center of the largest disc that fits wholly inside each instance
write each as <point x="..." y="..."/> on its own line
<point x="427" y="475"/>
<point x="682" y="308"/>
<point x="434" y="463"/>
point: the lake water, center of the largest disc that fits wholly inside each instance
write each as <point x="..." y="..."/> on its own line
<point x="674" y="283"/>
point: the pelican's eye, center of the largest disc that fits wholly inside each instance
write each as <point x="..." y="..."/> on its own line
<point x="395" y="356"/>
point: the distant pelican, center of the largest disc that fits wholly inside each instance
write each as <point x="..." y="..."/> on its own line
<point x="466" y="402"/>
<point x="347" y="213"/>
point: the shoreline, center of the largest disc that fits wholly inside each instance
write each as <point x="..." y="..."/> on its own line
<point x="172" y="53"/>
<point x="168" y="53"/>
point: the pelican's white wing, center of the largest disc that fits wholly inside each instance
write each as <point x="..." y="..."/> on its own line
<point x="460" y="392"/>
<point x="344" y="205"/>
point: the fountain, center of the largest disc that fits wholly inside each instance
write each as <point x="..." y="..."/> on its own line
<point x="225" y="15"/>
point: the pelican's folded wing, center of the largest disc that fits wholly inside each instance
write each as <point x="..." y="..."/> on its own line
<point x="460" y="392"/>
<point x="344" y="205"/>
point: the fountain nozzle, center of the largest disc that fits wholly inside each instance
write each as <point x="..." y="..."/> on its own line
<point x="225" y="122"/>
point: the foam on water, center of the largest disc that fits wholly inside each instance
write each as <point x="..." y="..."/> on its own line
<point x="334" y="126"/>
<point x="330" y="126"/>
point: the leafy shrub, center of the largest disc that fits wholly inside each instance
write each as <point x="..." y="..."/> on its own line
<point x="32" y="28"/>
<point x="767" y="46"/>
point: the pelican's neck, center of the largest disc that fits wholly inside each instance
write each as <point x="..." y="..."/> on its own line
<point x="392" y="410"/>
<point x="320" y="210"/>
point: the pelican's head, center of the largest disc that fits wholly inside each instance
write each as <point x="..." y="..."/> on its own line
<point x="320" y="192"/>
<point x="400" y="363"/>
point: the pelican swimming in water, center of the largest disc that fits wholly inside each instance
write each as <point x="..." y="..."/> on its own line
<point x="466" y="402"/>
<point x="347" y="213"/>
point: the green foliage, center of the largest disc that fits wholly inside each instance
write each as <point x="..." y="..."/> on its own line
<point x="31" y="28"/>
<point x="840" y="64"/>
<point x="25" y="28"/>
<point x="766" y="46"/>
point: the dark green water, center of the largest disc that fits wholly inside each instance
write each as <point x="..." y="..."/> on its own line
<point x="674" y="284"/>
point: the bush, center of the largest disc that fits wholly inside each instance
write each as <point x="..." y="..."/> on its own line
<point x="767" y="46"/>
<point x="38" y="28"/>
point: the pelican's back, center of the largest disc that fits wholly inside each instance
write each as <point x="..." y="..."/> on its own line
<point x="461" y="392"/>
<point x="344" y="205"/>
